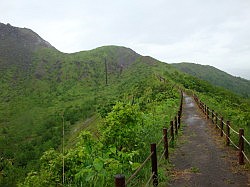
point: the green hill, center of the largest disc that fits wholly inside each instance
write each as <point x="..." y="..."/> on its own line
<point x="42" y="88"/>
<point x="216" y="77"/>
<point x="17" y="45"/>
<point x="44" y="92"/>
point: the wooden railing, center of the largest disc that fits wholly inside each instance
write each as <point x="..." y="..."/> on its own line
<point x="167" y="138"/>
<point x="225" y="129"/>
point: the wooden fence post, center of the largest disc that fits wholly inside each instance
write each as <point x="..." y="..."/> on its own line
<point x="154" y="164"/>
<point x="181" y="99"/>
<point x="165" y="134"/>
<point x="241" y="146"/>
<point x="221" y="126"/>
<point x="119" y="180"/>
<point x="227" y="133"/>
<point x="207" y="112"/>
<point x="172" y="130"/>
<point x="180" y="109"/>
<point x="179" y="119"/>
<point x="213" y="116"/>
<point x="216" y="120"/>
<point x="175" y="125"/>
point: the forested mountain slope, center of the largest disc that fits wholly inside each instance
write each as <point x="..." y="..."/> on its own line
<point x="46" y="93"/>
<point x="17" y="45"/>
<point x="43" y="89"/>
<point x="216" y="77"/>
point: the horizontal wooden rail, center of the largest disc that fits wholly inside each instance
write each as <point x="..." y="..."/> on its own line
<point x="221" y="124"/>
<point x="174" y="126"/>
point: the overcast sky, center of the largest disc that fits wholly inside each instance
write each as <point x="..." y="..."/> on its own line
<point x="211" y="32"/>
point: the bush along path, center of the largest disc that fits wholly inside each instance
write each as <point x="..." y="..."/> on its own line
<point x="167" y="139"/>
<point x="201" y="159"/>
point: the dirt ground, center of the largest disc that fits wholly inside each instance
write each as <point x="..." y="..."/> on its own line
<point x="202" y="158"/>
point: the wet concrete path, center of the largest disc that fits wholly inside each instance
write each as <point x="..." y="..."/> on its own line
<point x="200" y="159"/>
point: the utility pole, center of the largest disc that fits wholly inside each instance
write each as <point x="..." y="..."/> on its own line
<point x="63" y="149"/>
<point x="106" y="71"/>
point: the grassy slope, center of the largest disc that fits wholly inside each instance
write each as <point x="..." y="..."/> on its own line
<point x="56" y="87"/>
<point x="216" y="77"/>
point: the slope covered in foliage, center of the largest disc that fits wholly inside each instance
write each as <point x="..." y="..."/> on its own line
<point x="17" y="45"/>
<point x="53" y="89"/>
<point x="55" y="94"/>
<point x="216" y="77"/>
<point x="227" y="104"/>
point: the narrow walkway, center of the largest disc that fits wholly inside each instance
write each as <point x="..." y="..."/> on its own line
<point x="200" y="160"/>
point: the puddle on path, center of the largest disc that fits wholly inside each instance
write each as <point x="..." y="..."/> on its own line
<point x="192" y="117"/>
<point x="189" y="102"/>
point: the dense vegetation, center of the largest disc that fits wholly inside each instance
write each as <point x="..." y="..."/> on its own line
<point x="231" y="106"/>
<point x="106" y="94"/>
<point x="65" y="89"/>
<point x="216" y="77"/>
<point x="119" y="147"/>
